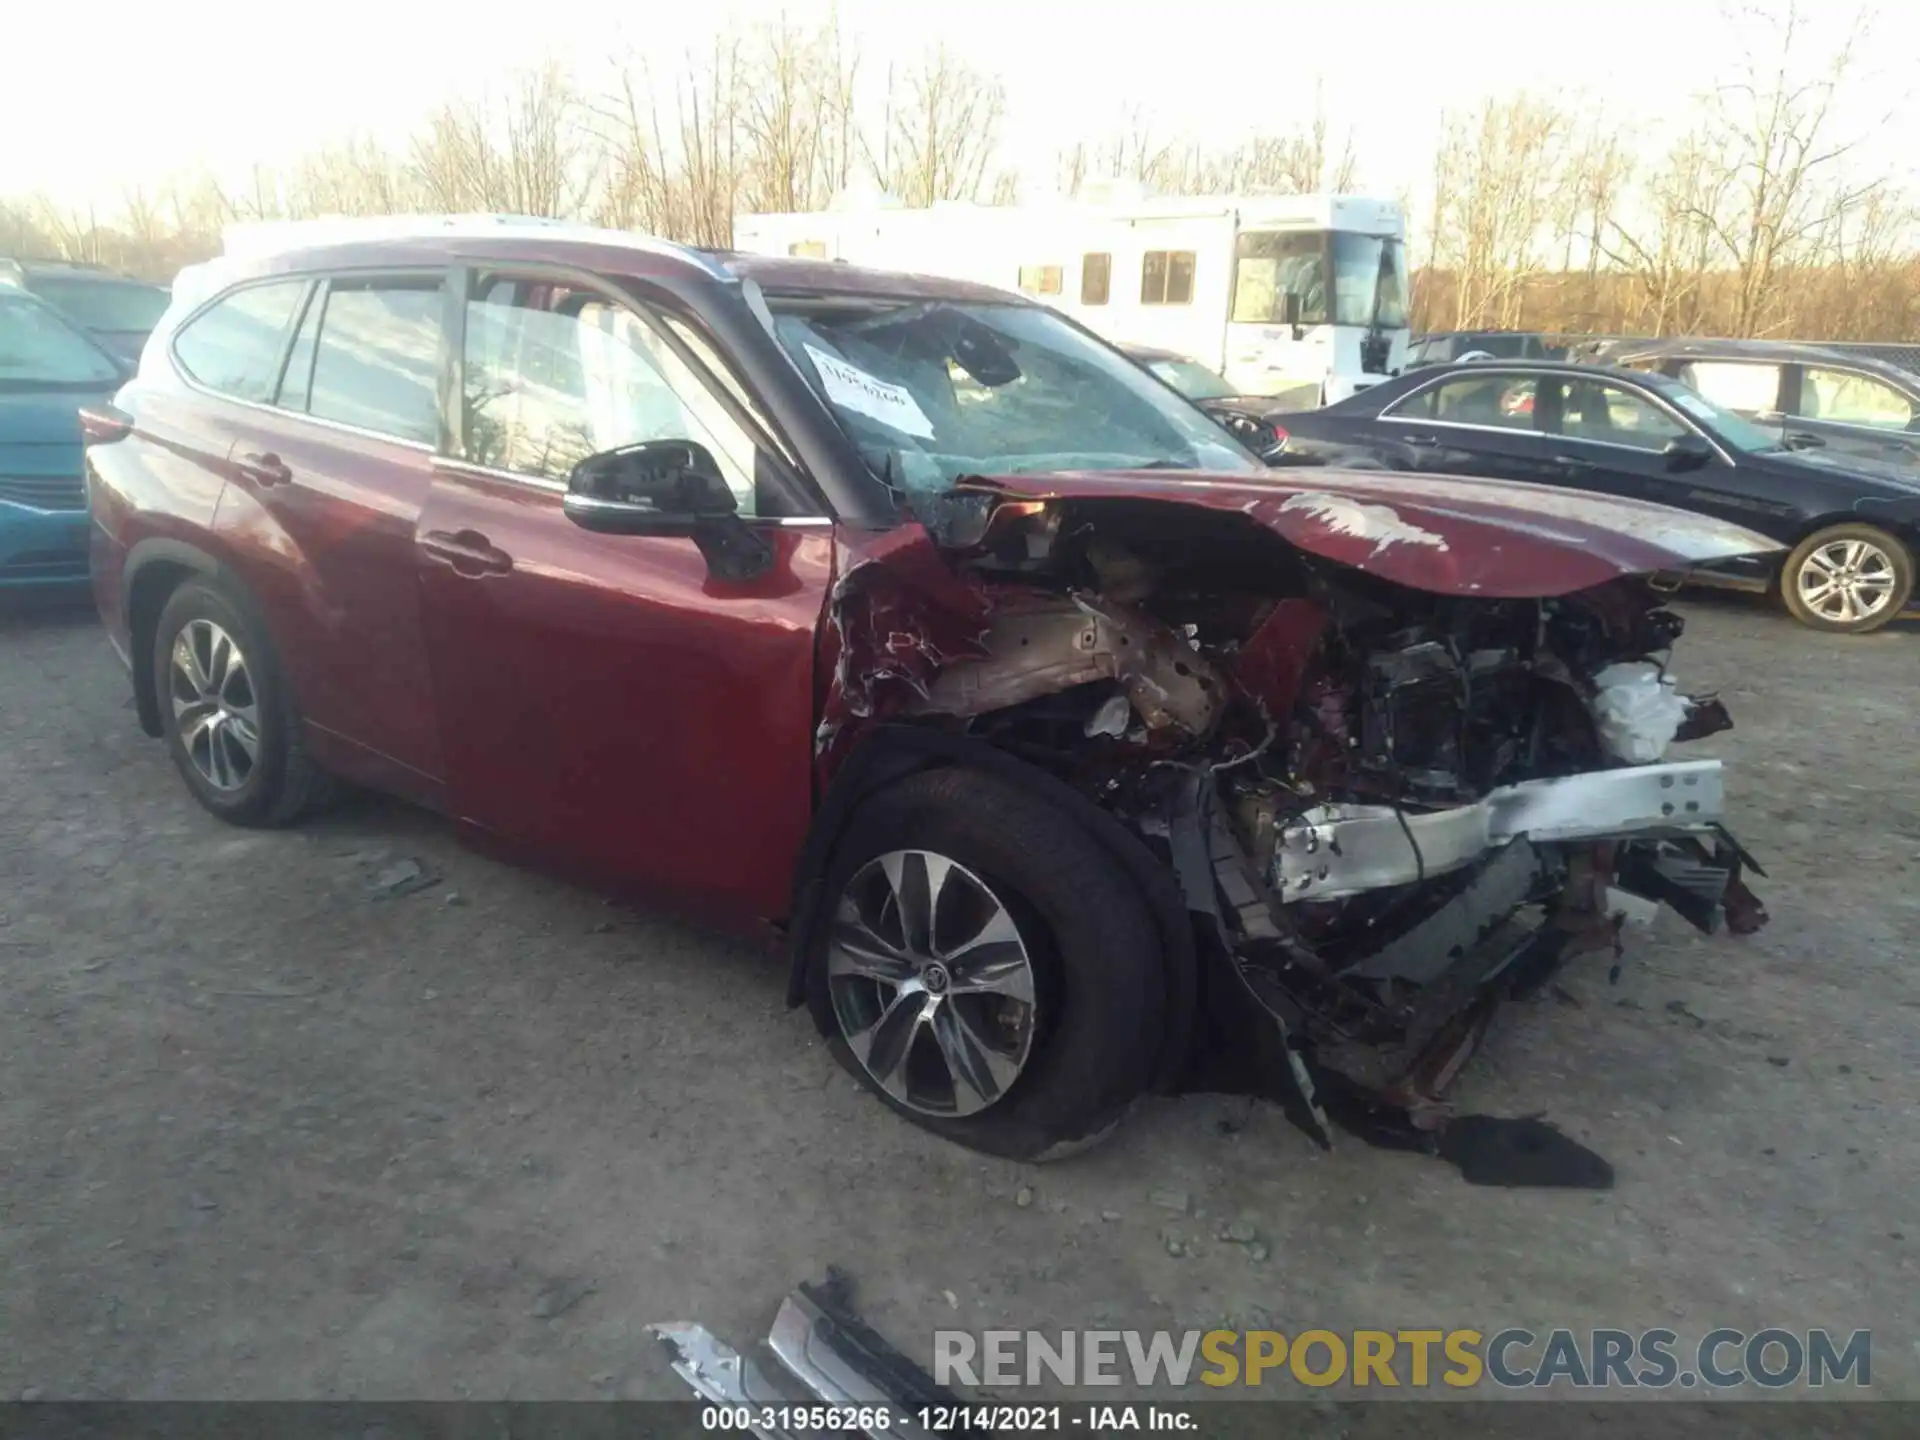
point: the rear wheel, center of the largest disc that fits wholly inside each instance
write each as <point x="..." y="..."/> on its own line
<point x="226" y="711"/>
<point x="1848" y="579"/>
<point x="987" y="971"/>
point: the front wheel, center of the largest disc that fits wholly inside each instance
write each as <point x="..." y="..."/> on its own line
<point x="1847" y="579"/>
<point x="986" y="969"/>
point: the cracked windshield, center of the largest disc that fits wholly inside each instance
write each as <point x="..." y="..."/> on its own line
<point x="931" y="392"/>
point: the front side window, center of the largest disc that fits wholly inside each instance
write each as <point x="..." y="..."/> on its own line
<point x="1270" y="265"/>
<point x="1745" y="389"/>
<point x="1615" y="415"/>
<point x="555" y="375"/>
<point x="930" y="391"/>
<point x="1369" y="281"/>
<point x="1847" y="397"/>
<point x="377" y="362"/>
<point x="234" y="346"/>
<point x="1502" y="401"/>
<point x="1096" y="278"/>
<point x="1166" y="277"/>
<point x="38" y="347"/>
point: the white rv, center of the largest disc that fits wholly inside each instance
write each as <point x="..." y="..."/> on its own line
<point x="1284" y="294"/>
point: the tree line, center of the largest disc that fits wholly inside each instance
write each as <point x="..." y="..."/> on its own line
<point x="1750" y="218"/>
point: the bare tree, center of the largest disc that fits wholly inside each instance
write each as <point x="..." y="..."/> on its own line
<point x="1496" y="179"/>
<point x="1783" y="180"/>
<point x="941" y="132"/>
<point x="526" y="156"/>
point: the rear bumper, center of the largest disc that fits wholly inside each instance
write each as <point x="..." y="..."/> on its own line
<point x="42" y="547"/>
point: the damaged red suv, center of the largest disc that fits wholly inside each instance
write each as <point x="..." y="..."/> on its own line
<point x="1076" y="753"/>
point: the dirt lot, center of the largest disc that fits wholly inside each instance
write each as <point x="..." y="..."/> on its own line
<point x="272" y="1131"/>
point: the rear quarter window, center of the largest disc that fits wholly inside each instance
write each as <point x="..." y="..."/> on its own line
<point x="234" y="346"/>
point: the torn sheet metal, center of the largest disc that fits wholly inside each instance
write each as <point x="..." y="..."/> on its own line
<point x="1045" y="648"/>
<point x="1449" y="535"/>
<point x="1339" y="850"/>
<point x="823" y="1354"/>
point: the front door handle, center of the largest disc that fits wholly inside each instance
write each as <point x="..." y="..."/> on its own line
<point x="1572" y="462"/>
<point x="467" y="551"/>
<point x="265" y="469"/>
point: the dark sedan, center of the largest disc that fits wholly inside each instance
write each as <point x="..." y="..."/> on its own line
<point x="1853" y="523"/>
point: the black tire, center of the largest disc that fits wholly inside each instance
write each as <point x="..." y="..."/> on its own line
<point x="1100" y="977"/>
<point x="1900" y="562"/>
<point x="282" y="783"/>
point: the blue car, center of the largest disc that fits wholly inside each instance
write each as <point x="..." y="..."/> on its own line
<point x="48" y="370"/>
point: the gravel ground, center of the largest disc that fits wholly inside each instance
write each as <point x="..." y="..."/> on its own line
<point x="274" y="1131"/>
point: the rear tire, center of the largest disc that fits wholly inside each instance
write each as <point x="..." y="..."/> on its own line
<point x="1847" y="579"/>
<point x="1057" y="1074"/>
<point x="227" y="713"/>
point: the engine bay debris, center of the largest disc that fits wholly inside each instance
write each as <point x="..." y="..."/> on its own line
<point x="1401" y="766"/>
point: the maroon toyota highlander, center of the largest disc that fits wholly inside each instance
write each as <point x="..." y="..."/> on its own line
<point x="1075" y="753"/>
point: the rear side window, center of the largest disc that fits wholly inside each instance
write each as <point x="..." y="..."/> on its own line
<point x="234" y="347"/>
<point x="1503" y="402"/>
<point x="377" y="362"/>
<point x="1743" y="388"/>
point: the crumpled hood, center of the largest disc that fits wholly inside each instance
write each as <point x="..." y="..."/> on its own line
<point x="1450" y="536"/>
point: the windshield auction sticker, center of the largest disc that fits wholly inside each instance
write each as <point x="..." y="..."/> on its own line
<point x="854" y="389"/>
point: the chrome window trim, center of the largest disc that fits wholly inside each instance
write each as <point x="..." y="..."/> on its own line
<point x="1659" y="401"/>
<point x="307" y="281"/>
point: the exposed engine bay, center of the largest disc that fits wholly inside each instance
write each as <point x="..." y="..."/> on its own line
<point x="1387" y="808"/>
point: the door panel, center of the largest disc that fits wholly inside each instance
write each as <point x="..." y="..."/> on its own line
<point x="1480" y="424"/>
<point x="606" y="704"/>
<point x="322" y="517"/>
<point x="1853" y="413"/>
<point x="328" y="551"/>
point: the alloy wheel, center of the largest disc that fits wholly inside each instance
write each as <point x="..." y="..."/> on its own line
<point x="215" y="708"/>
<point x="1847" y="581"/>
<point x="931" y="983"/>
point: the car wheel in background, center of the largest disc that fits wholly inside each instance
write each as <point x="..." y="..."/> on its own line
<point x="1848" y="579"/>
<point x="986" y="968"/>
<point x="228" y="716"/>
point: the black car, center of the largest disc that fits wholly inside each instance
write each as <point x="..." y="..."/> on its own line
<point x="1806" y="395"/>
<point x="1247" y="417"/>
<point x="118" y="311"/>
<point x="1438" y="349"/>
<point x="1853" y="523"/>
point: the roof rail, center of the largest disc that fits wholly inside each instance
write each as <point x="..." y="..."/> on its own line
<point x="255" y="239"/>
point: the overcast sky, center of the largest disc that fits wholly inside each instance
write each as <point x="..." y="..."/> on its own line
<point x="157" y="89"/>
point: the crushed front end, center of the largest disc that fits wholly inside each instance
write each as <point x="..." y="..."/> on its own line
<point x="1392" y="796"/>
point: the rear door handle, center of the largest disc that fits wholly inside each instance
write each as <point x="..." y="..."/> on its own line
<point x="467" y="551"/>
<point x="265" y="469"/>
<point x="1572" y="462"/>
<point x="1421" y="439"/>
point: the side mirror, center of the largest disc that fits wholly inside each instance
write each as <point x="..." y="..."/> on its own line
<point x="1804" y="440"/>
<point x="667" y="487"/>
<point x="1688" y="452"/>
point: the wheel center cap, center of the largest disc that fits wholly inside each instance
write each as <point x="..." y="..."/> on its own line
<point x="936" y="979"/>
